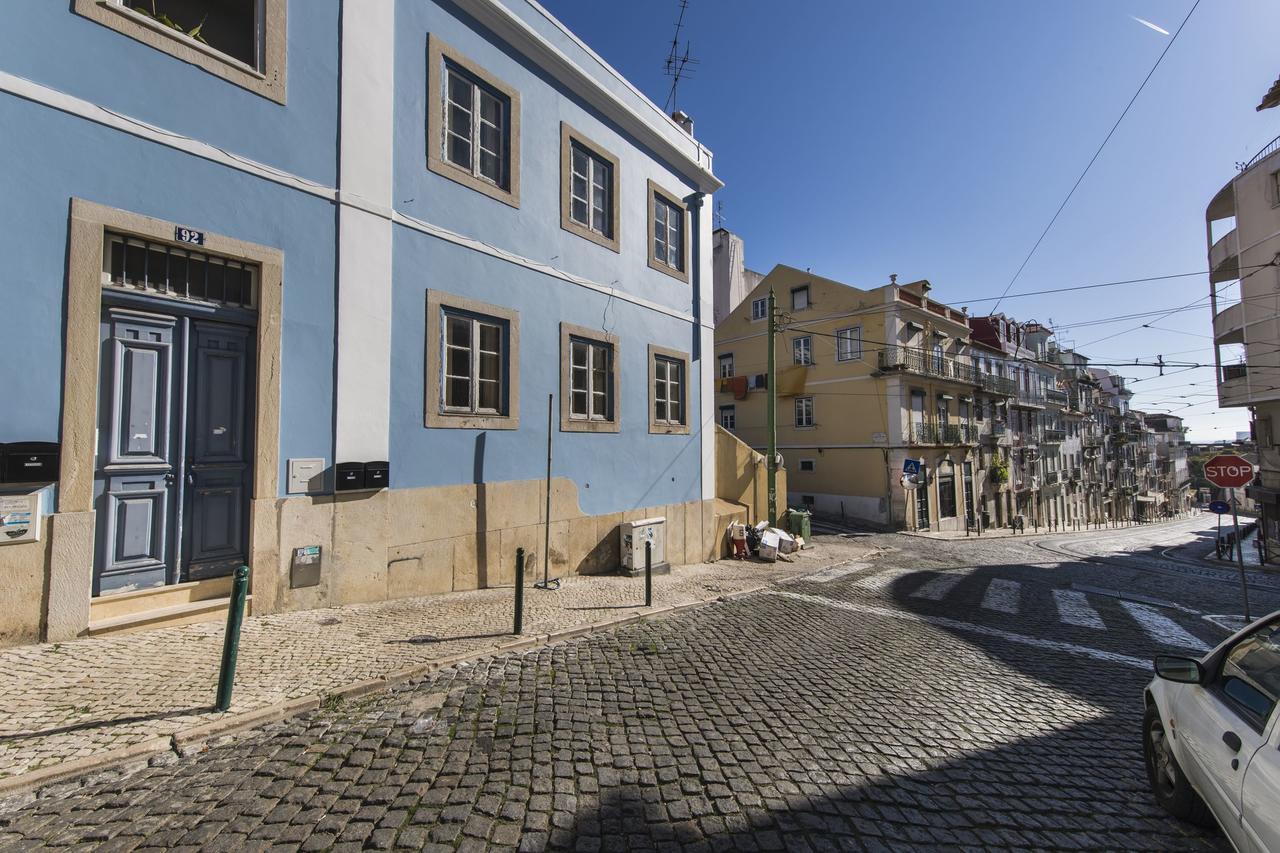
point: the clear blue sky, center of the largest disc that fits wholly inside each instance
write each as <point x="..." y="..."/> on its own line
<point x="935" y="139"/>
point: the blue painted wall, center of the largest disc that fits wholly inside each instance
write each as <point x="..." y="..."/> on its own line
<point x="44" y="41"/>
<point x="48" y="157"/>
<point x="614" y="472"/>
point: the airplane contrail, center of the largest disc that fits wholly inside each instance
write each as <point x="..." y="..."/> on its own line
<point x="1161" y="30"/>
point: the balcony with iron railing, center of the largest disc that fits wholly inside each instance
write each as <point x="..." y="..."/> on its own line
<point x="1056" y="397"/>
<point x="1055" y="436"/>
<point x="997" y="384"/>
<point x="1051" y="478"/>
<point x="944" y="434"/>
<point x="916" y="360"/>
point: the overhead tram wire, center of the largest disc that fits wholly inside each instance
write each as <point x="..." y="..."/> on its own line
<point x="1148" y="279"/>
<point x="1096" y="154"/>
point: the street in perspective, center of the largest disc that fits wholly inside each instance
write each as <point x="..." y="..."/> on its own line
<point x="398" y="451"/>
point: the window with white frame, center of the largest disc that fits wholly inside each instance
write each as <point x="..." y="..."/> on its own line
<point x="804" y="411"/>
<point x="726" y="365"/>
<point x="802" y="350"/>
<point x="590" y="380"/>
<point x="668" y="391"/>
<point x="808" y="465"/>
<point x="474" y="364"/>
<point x="799" y="298"/>
<point x="476" y="126"/>
<point x="849" y="344"/>
<point x="729" y="417"/>
<point x="759" y="309"/>
<point x="666" y="233"/>
<point x="590" y="190"/>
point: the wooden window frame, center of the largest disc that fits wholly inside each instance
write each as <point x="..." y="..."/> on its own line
<point x="667" y="426"/>
<point x="802" y="402"/>
<point x="732" y="411"/>
<point x="570" y="334"/>
<point x="855" y="356"/>
<point x="655" y="195"/>
<point x="440" y="59"/>
<point x="268" y="80"/>
<point x="764" y="313"/>
<point x="611" y="237"/>
<point x="804" y="342"/>
<point x="436" y="416"/>
<point x="721" y="361"/>
<point x="802" y="289"/>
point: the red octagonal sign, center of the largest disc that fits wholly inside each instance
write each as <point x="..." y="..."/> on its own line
<point x="1228" y="471"/>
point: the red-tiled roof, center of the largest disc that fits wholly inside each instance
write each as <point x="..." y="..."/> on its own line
<point x="1272" y="98"/>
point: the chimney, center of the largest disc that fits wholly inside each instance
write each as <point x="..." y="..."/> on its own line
<point x="682" y="118"/>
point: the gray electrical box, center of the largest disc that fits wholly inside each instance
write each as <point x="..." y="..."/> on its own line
<point x="305" y="568"/>
<point x="305" y="476"/>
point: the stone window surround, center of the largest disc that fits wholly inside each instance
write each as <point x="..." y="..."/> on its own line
<point x="269" y="82"/>
<point x="434" y="417"/>
<point x="67" y="612"/>
<point x="567" y="137"/>
<point x="438" y="52"/>
<point x="568" y="331"/>
<point x="683" y="358"/>
<point x="654" y="192"/>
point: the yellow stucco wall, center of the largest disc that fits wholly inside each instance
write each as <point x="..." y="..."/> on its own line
<point x="741" y="477"/>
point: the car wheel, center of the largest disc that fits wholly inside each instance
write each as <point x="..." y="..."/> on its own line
<point x="1168" y="783"/>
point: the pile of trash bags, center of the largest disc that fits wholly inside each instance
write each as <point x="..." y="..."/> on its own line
<point x="762" y="542"/>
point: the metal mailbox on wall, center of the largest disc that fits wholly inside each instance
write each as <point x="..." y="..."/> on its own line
<point x="19" y="518"/>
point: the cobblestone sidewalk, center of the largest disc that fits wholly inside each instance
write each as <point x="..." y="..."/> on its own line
<point x="1008" y="533"/>
<point x="74" y="707"/>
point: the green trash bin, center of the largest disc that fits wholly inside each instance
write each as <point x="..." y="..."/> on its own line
<point x="798" y="523"/>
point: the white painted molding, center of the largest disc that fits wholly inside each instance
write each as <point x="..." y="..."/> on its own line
<point x="52" y="98"/>
<point x="667" y="139"/>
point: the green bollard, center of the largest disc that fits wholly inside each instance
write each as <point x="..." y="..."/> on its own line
<point x="231" y="638"/>
<point x="519" y="626"/>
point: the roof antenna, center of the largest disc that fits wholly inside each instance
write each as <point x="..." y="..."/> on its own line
<point x="719" y="214"/>
<point x="676" y="66"/>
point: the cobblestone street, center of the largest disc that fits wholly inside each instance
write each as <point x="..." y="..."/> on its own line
<point x="949" y="695"/>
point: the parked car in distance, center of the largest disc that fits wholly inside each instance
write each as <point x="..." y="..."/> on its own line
<point x="1211" y="737"/>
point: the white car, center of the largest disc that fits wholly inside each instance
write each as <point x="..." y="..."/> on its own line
<point x="1212" y="740"/>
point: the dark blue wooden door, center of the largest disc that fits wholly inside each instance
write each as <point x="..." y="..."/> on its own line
<point x="174" y="455"/>
<point x="219" y="466"/>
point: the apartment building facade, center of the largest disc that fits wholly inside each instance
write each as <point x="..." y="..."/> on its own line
<point x="866" y="380"/>
<point x="301" y="290"/>
<point x="1242" y="230"/>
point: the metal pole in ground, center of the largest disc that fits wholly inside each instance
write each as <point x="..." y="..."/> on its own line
<point x="231" y="638"/>
<point x="519" y="626"/>
<point x="648" y="573"/>
<point x="1244" y="585"/>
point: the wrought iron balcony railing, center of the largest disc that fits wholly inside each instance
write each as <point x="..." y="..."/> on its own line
<point x="916" y="360"/>
<point x="1055" y="436"/>
<point x="1055" y="396"/>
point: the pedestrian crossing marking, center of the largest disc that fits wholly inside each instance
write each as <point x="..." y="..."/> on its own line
<point x="881" y="581"/>
<point x="1162" y="628"/>
<point x="1074" y="609"/>
<point x="955" y="624"/>
<point x="1002" y="595"/>
<point x="937" y="588"/>
<point x="836" y="572"/>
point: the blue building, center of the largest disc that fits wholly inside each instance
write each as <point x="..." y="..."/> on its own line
<point x="310" y="290"/>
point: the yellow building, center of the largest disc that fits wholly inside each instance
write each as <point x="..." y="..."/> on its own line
<point x="867" y="379"/>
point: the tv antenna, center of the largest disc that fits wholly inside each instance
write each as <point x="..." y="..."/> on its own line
<point x="719" y="214"/>
<point x="677" y="64"/>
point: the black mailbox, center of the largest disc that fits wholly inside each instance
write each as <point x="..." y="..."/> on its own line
<point x="350" y="476"/>
<point x="29" y="462"/>
<point x="377" y="475"/>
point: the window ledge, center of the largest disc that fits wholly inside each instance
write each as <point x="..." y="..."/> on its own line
<point x="269" y="83"/>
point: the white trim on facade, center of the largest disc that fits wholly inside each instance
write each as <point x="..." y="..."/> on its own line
<point x="46" y="96"/>
<point x="362" y="423"/>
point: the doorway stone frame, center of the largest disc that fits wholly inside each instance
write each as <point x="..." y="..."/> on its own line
<point x="70" y="571"/>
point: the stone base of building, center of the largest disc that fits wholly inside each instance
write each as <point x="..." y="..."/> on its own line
<point x="374" y="546"/>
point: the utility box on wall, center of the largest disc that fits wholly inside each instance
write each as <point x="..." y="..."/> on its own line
<point x="19" y="518"/>
<point x="634" y="536"/>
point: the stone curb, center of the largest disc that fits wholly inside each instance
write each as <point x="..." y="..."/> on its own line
<point x="193" y="740"/>
<point x="1034" y="533"/>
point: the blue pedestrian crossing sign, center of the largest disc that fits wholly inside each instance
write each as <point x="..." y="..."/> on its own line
<point x="911" y="466"/>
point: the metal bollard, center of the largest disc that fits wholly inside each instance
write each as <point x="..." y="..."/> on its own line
<point x="648" y="574"/>
<point x="519" y="626"/>
<point x="231" y="638"/>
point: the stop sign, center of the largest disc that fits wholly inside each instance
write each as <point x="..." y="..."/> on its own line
<point x="1228" y="471"/>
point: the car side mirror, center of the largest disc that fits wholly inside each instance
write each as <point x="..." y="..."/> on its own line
<point x="1179" y="669"/>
